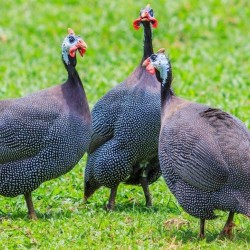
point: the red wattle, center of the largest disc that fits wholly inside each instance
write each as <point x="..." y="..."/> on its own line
<point x="136" y="23"/>
<point x="154" y="22"/>
<point x="150" y="69"/>
<point x="81" y="51"/>
<point x="72" y="51"/>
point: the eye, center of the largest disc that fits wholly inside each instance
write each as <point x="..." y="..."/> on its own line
<point x="71" y="39"/>
<point x="153" y="57"/>
<point x="151" y="12"/>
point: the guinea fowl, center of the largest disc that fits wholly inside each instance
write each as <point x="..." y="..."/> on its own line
<point x="204" y="153"/>
<point x="126" y="126"/>
<point x="45" y="134"/>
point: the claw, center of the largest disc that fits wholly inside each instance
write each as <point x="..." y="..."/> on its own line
<point x="228" y="230"/>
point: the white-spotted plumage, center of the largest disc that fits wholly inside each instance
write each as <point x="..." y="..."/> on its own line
<point x="126" y="125"/>
<point x="204" y="155"/>
<point x="43" y="135"/>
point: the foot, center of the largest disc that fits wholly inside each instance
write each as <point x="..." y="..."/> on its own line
<point x="144" y="184"/>
<point x="149" y="202"/>
<point x="31" y="210"/>
<point x="202" y="229"/>
<point x="201" y="236"/>
<point x="110" y="207"/>
<point x="111" y="204"/>
<point x="228" y="230"/>
<point x="33" y="216"/>
<point x="85" y="200"/>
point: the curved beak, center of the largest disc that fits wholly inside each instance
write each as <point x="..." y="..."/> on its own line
<point x="145" y="16"/>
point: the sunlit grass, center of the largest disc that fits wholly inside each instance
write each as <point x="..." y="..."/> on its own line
<point x="208" y="43"/>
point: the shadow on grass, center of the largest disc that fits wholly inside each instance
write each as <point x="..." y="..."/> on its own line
<point x="135" y="207"/>
<point x="129" y="207"/>
<point x="187" y="235"/>
<point x="125" y="207"/>
<point x="41" y="216"/>
<point x="14" y="216"/>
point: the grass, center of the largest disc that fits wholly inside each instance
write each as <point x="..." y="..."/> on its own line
<point x="208" y="44"/>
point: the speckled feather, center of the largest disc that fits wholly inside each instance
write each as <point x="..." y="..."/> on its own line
<point x="126" y="125"/>
<point x="204" y="156"/>
<point x="42" y="136"/>
<point x="128" y="116"/>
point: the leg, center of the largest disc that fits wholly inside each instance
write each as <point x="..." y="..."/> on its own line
<point x="227" y="230"/>
<point x="111" y="203"/>
<point x="202" y="229"/>
<point x="31" y="210"/>
<point x="144" y="184"/>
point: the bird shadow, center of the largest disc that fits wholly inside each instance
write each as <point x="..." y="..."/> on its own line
<point x="135" y="207"/>
<point x="125" y="207"/>
<point x="14" y="216"/>
<point x="40" y="216"/>
<point x="188" y="235"/>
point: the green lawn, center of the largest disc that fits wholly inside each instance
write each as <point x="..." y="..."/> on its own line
<point x="208" y="43"/>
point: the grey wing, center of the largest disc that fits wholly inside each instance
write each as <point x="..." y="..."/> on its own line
<point x="194" y="157"/>
<point x="97" y="140"/>
<point x="22" y="131"/>
<point x="104" y="115"/>
<point x="232" y="136"/>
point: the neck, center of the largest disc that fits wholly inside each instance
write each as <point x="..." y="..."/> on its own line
<point x="166" y="95"/>
<point x="74" y="93"/>
<point x="166" y="91"/>
<point x="73" y="77"/>
<point x="148" y="48"/>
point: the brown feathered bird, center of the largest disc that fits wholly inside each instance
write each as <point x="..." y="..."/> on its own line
<point x="45" y="134"/>
<point x="204" y="153"/>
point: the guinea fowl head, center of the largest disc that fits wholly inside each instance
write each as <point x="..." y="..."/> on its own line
<point x="146" y="16"/>
<point x="160" y="65"/>
<point x="70" y="45"/>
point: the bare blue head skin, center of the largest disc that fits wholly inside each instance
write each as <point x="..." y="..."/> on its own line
<point x="70" y="45"/>
<point x="161" y="63"/>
